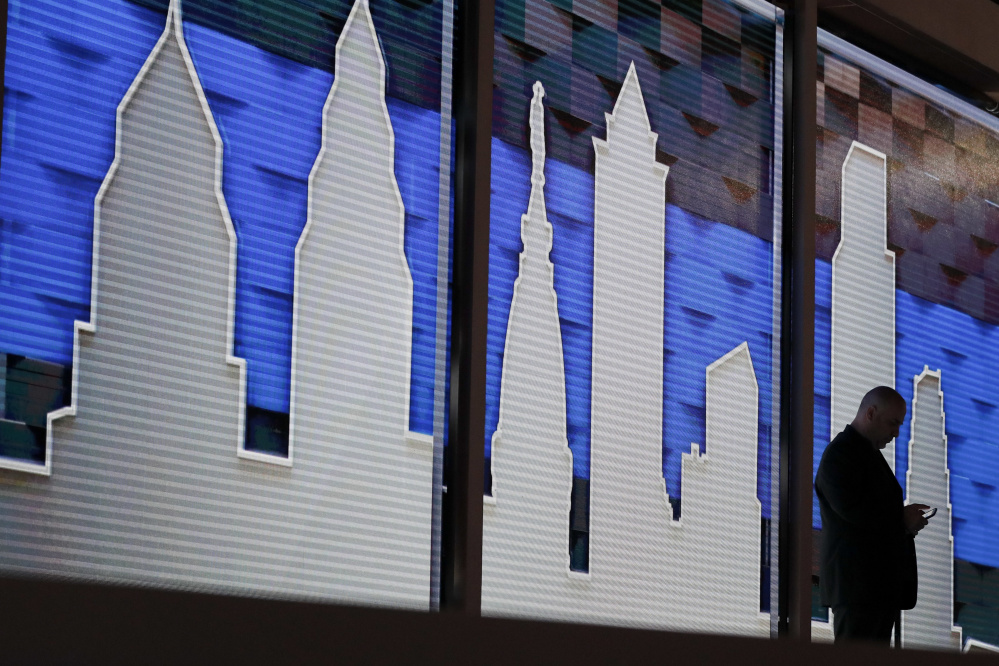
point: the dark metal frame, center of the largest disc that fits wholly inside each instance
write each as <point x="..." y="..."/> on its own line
<point x="72" y="623"/>
<point x="798" y="321"/>
<point x="465" y="459"/>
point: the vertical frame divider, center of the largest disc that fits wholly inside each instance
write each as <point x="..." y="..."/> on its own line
<point x="465" y="457"/>
<point x="798" y="322"/>
<point x="444" y="221"/>
<point x="779" y="298"/>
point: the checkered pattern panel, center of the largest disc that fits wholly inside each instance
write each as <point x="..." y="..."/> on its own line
<point x="705" y="67"/>
<point x="943" y="184"/>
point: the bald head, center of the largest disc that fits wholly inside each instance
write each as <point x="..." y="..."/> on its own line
<point x="881" y="396"/>
<point x="881" y="414"/>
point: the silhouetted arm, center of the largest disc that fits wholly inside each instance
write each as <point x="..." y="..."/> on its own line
<point x="849" y="491"/>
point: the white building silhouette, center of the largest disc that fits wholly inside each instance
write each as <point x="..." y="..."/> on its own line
<point x="863" y="356"/>
<point x="629" y="508"/>
<point x="863" y="291"/>
<point x="352" y="338"/>
<point x="930" y="624"/>
<point x="701" y="573"/>
<point x="531" y="460"/>
<point x="863" y="301"/>
<point x="147" y="480"/>
<point x="719" y="531"/>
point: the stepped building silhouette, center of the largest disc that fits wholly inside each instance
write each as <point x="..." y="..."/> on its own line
<point x="863" y="291"/>
<point x="146" y="478"/>
<point x="930" y="624"/>
<point x="863" y="356"/>
<point x="646" y="569"/>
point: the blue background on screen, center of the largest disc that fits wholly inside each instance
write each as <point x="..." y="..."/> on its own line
<point x="63" y="85"/>
<point x="964" y="350"/>
<point x="66" y="74"/>
<point x="718" y="295"/>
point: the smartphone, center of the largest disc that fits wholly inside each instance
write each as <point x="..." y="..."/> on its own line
<point x="930" y="513"/>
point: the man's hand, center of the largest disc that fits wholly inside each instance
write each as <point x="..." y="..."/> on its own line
<point x="912" y="516"/>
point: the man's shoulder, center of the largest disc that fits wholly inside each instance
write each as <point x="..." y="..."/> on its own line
<point x="843" y="447"/>
<point x="846" y="437"/>
<point x="842" y="443"/>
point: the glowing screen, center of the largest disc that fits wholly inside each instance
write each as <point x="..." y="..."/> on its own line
<point x="224" y="265"/>
<point x="907" y="295"/>
<point x="631" y="322"/>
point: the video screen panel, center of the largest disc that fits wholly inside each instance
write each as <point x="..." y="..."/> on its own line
<point x="907" y="295"/>
<point x="224" y="294"/>
<point x="633" y="317"/>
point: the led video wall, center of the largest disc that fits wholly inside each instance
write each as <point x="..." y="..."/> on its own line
<point x="907" y="295"/>
<point x="225" y="301"/>
<point x="632" y="320"/>
<point x="225" y="295"/>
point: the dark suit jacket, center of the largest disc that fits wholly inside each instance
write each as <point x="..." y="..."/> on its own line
<point x="866" y="555"/>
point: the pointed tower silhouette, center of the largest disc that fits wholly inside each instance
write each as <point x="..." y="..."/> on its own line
<point x="629" y="508"/>
<point x="531" y="460"/>
<point x="148" y="484"/>
<point x="139" y="301"/>
<point x="352" y="337"/>
<point x="155" y="385"/>
<point x="156" y="358"/>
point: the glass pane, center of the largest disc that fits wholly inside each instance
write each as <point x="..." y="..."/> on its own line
<point x="632" y="321"/>
<point x="907" y="296"/>
<point x="254" y="250"/>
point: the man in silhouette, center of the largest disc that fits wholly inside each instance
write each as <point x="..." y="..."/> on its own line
<point x="867" y="558"/>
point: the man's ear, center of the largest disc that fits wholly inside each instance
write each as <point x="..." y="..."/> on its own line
<point x="872" y="411"/>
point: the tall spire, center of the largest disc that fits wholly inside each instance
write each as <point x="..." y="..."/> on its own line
<point x="358" y="92"/>
<point x="531" y="508"/>
<point x="359" y="61"/>
<point x="535" y="229"/>
<point x="538" y="136"/>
